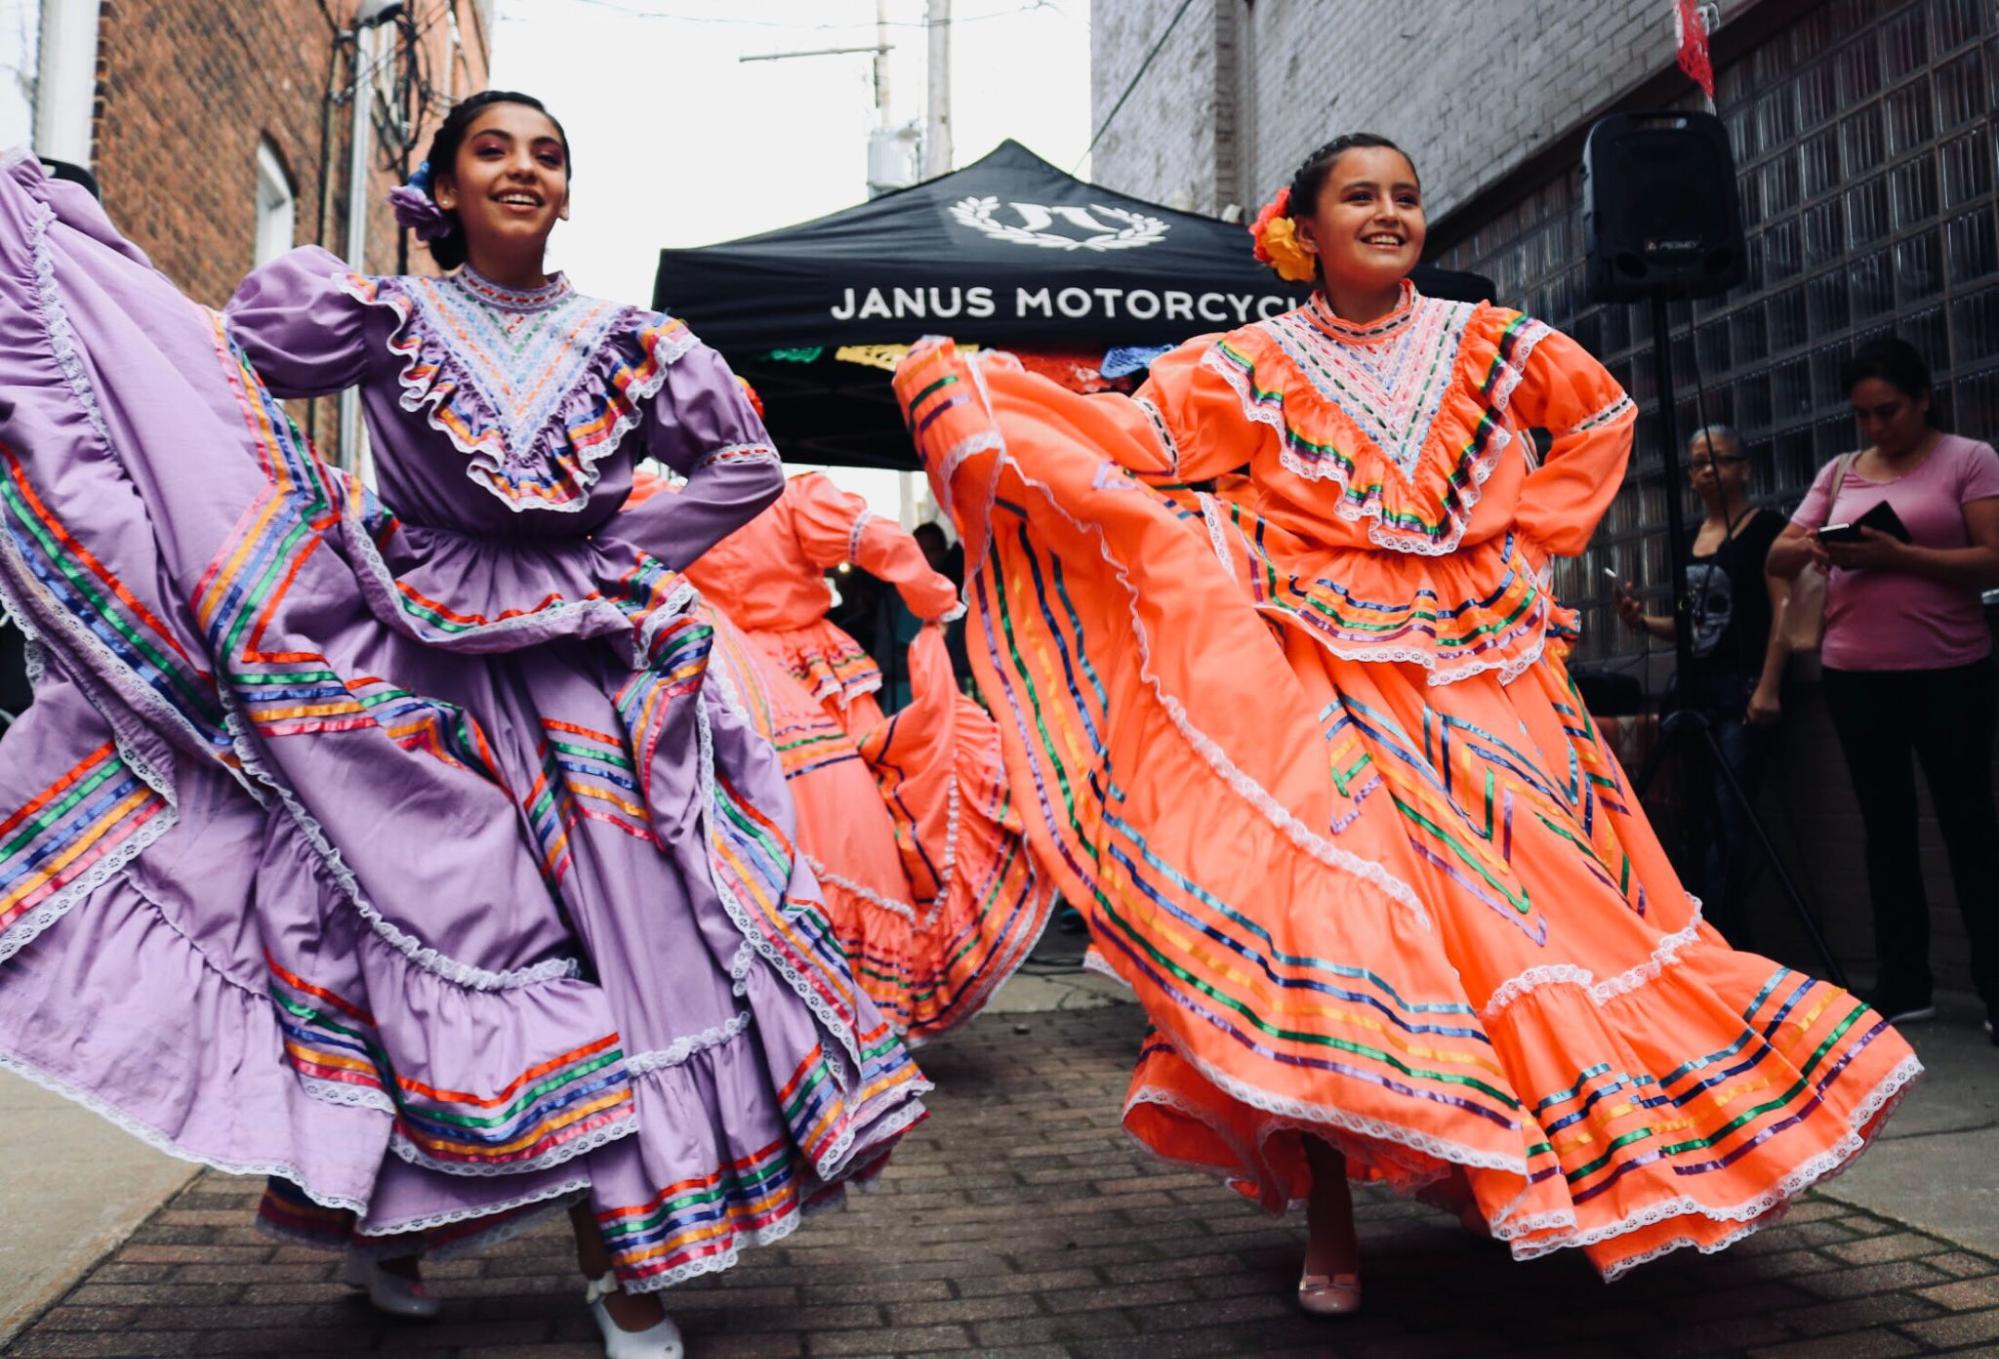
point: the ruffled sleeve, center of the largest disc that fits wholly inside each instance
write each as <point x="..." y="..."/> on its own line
<point x="1564" y="390"/>
<point x="303" y="325"/>
<point x="834" y="526"/>
<point x="1185" y="419"/>
<point x="701" y="425"/>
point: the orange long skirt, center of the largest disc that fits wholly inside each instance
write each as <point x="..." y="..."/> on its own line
<point x="1426" y="923"/>
<point x="909" y="826"/>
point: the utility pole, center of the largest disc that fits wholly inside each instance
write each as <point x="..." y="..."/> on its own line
<point x="937" y="111"/>
<point x="363" y="48"/>
<point x="881" y="64"/>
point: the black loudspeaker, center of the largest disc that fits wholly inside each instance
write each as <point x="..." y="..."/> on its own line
<point x="75" y="174"/>
<point x="1661" y="214"/>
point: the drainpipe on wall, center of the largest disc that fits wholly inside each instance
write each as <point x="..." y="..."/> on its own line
<point x="353" y="437"/>
<point x="66" y="82"/>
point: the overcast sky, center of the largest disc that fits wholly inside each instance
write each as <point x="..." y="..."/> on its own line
<point x="679" y="142"/>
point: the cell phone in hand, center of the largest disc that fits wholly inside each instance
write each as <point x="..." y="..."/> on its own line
<point x="1882" y="519"/>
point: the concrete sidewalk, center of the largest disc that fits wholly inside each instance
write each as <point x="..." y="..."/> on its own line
<point x="1020" y="1220"/>
<point x="72" y="1188"/>
<point x="1021" y="1223"/>
<point x="1936" y="1168"/>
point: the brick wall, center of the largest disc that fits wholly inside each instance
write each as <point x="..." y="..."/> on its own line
<point x="186" y="90"/>
<point x="1162" y="143"/>
<point x="1470" y="90"/>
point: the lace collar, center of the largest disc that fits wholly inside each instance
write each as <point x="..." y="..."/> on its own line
<point x="536" y="386"/>
<point x="1369" y="332"/>
<point x="505" y="298"/>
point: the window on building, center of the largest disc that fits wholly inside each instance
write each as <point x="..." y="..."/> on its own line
<point x="1864" y="139"/>
<point x="277" y="204"/>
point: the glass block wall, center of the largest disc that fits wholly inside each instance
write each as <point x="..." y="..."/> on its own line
<point x="1864" y="142"/>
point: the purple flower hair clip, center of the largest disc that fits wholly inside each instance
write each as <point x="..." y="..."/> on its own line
<point x="417" y="210"/>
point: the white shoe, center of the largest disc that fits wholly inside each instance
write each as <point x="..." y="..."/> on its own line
<point x="655" y="1342"/>
<point x="390" y="1294"/>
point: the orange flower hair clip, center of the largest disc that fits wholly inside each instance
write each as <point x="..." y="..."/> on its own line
<point x="1277" y="244"/>
<point x="756" y="402"/>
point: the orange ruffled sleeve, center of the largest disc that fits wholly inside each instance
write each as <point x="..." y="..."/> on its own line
<point x="1175" y="417"/>
<point x="834" y="526"/>
<point x="1568" y="393"/>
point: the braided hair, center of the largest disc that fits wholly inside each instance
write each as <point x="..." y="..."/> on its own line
<point x="449" y="251"/>
<point x="1311" y="176"/>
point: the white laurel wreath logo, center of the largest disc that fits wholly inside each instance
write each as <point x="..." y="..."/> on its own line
<point x="1138" y="229"/>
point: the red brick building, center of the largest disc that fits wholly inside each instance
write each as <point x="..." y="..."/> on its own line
<point x="211" y="121"/>
<point x="222" y="135"/>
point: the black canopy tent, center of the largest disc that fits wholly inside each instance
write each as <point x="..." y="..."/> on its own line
<point x="1009" y="251"/>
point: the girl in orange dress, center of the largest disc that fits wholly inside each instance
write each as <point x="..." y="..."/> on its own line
<point x="1284" y="702"/>
<point x="772" y="572"/>
<point x="908" y="821"/>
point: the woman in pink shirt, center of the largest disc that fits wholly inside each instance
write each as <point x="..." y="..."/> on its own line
<point x="1908" y="660"/>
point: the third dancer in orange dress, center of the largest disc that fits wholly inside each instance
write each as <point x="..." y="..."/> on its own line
<point x="908" y="820"/>
<point x="1286" y="709"/>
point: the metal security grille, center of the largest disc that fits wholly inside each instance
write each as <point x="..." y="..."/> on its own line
<point x="1864" y="141"/>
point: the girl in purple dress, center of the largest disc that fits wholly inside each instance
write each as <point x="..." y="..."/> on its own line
<point x="410" y="850"/>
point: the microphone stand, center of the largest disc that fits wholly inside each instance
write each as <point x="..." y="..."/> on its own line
<point x="1687" y="726"/>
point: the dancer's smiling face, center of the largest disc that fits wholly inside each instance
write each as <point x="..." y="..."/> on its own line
<point x="1367" y="227"/>
<point x="509" y="183"/>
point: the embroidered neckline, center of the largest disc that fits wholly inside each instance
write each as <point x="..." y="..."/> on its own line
<point x="1380" y="328"/>
<point x="508" y="298"/>
<point x="1392" y="386"/>
<point x="536" y="387"/>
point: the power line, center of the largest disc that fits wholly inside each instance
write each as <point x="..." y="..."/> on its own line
<point x="637" y="12"/>
<point x="1137" y="76"/>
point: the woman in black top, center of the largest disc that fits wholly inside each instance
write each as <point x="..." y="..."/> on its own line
<point x="1739" y="649"/>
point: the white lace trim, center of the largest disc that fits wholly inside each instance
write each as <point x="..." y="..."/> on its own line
<point x="347" y="1096"/>
<point x="62" y="346"/>
<point x="1168" y="445"/>
<point x="947" y="876"/>
<point x="746" y="926"/>
<point x="1436" y="673"/>
<point x="860" y="526"/>
<point x="1756" y="1211"/>
<point x="1211" y="515"/>
<point x="161" y="1142"/>
<point x="744" y="1239"/>
<point x="570" y="1189"/>
<point x="1204" y="745"/>
<point x="749" y="452"/>
<point x="55" y="322"/>
<point x="1604" y="416"/>
<point x="30" y="927"/>
<point x="417" y="396"/>
<point x="681" y="1050"/>
<point x="954" y="458"/>
<point x="401" y="1145"/>
<point x="1326" y="1115"/>
<point x="1666" y="952"/>
<point x="1532" y="332"/>
<point x="412" y="948"/>
<point x="1482" y="469"/>
<point x="362" y="549"/>
<point x="861" y="890"/>
<point x="678" y="602"/>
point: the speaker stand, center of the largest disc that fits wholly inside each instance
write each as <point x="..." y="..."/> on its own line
<point x="1686" y="732"/>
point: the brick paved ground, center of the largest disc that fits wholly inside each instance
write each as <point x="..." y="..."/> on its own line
<point x="1019" y="1222"/>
